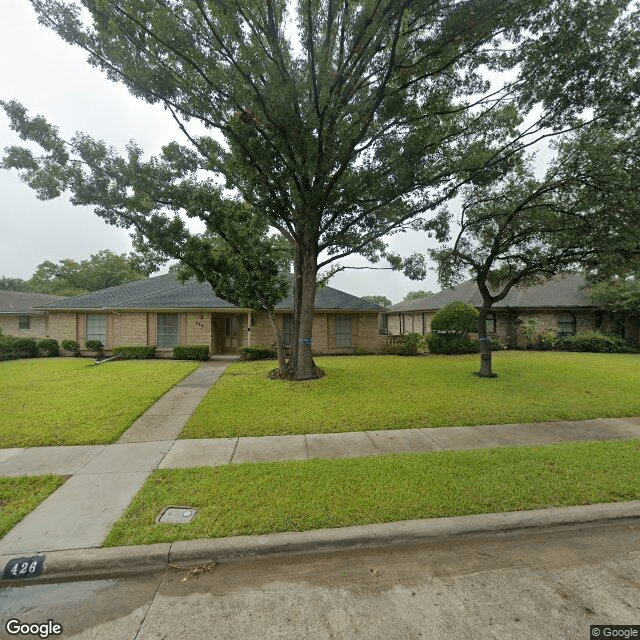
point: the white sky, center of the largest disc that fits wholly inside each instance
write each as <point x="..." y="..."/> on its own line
<point x="53" y="79"/>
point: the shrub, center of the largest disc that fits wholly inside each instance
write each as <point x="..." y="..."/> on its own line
<point x="191" y="352"/>
<point x="257" y="352"/>
<point x="361" y="351"/>
<point x="25" y="347"/>
<point x="411" y="343"/>
<point x="70" y="345"/>
<point x="496" y="343"/>
<point x="134" y="353"/>
<point x="456" y="317"/>
<point x="50" y="346"/>
<point x="7" y="352"/>
<point x="594" y="341"/>
<point x="529" y="330"/>
<point x="548" y="339"/>
<point x="95" y="345"/>
<point x="450" y="343"/>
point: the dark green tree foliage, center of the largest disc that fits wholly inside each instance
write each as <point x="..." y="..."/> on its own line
<point x="361" y="128"/>
<point x="13" y="284"/>
<point x="418" y="295"/>
<point x="457" y="318"/>
<point x="584" y="213"/>
<point x="70" y="278"/>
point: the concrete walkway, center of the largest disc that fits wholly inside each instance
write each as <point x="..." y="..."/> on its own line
<point x="105" y="478"/>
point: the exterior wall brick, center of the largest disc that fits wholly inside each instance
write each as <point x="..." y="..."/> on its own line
<point x="509" y="323"/>
<point x="198" y="328"/>
<point x="130" y="329"/>
<point x="38" y="326"/>
<point x="63" y="326"/>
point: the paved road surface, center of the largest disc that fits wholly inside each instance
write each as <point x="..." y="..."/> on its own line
<point x="538" y="585"/>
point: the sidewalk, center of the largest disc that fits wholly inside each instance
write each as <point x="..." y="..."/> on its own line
<point x="105" y="478"/>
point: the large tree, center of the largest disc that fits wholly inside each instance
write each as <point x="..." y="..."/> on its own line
<point x="101" y="270"/>
<point x="583" y="214"/>
<point x="338" y="121"/>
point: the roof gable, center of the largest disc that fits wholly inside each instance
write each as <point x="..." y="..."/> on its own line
<point x="167" y="292"/>
<point x="24" y="303"/>
<point x="558" y="292"/>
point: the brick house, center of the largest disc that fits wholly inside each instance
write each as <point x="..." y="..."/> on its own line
<point x="559" y="304"/>
<point x="162" y="312"/>
<point x="20" y="316"/>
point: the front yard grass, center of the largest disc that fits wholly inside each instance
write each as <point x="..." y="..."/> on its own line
<point x="70" y="401"/>
<point x="394" y="392"/>
<point x="20" y="496"/>
<point x="273" y="497"/>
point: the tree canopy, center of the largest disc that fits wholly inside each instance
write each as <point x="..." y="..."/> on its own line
<point x="418" y="294"/>
<point x="584" y="213"/>
<point x="71" y="278"/>
<point x="337" y="123"/>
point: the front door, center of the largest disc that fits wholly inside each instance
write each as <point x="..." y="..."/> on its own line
<point x="232" y="329"/>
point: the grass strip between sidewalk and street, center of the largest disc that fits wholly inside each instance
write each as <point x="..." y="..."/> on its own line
<point x="20" y="496"/>
<point x="71" y="401"/>
<point x="256" y="498"/>
<point x="368" y="393"/>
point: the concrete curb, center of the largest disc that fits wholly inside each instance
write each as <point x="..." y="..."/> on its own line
<point x="100" y="563"/>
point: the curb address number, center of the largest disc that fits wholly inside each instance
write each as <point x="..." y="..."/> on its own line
<point x="23" y="568"/>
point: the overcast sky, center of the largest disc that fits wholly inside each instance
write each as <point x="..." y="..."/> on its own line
<point x="53" y="79"/>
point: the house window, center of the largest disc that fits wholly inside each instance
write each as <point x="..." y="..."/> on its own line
<point x="97" y="327"/>
<point x="343" y="331"/>
<point x="24" y="322"/>
<point x="168" y="330"/>
<point x="383" y="325"/>
<point x="287" y="329"/>
<point x="566" y="324"/>
<point x="491" y="323"/>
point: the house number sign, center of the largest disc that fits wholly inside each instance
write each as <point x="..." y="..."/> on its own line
<point x="18" y="568"/>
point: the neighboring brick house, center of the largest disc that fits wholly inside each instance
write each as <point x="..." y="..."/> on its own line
<point x="162" y="312"/>
<point x="20" y="316"/>
<point x="559" y="304"/>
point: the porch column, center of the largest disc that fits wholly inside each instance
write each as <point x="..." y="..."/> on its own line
<point x="248" y="328"/>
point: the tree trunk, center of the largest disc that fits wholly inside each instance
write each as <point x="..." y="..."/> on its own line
<point x="282" y="363"/>
<point x="305" y="368"/>
<point x="485" y="346"/>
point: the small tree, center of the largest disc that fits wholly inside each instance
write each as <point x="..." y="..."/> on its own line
<point x="520" y="230"/>
<point x="456" y="318"/>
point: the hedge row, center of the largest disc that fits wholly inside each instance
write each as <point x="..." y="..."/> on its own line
<point x="191" y="352"/>
<point x="257" y="352"/>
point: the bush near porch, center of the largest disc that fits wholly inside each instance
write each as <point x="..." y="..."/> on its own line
<point x="392" y="392"/>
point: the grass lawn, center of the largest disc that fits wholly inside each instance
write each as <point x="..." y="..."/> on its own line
<point x="394" y="392"/>
<point x="70" y="401"/>
<point x="20" y="496"/>
<point x="313" y="494"/>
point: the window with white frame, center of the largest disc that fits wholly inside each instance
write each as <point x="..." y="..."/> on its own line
<point x="24" y="322"/>
<point x="343" y="331"/>
<point x="168" y="333"/>
<point x="566" y="324"/>
<point x="97" y="327"/>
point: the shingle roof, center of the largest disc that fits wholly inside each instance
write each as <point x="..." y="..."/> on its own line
<point x="559" y="292"/>
<point x="166" y="292"/>
<point x="21" y="303"/>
